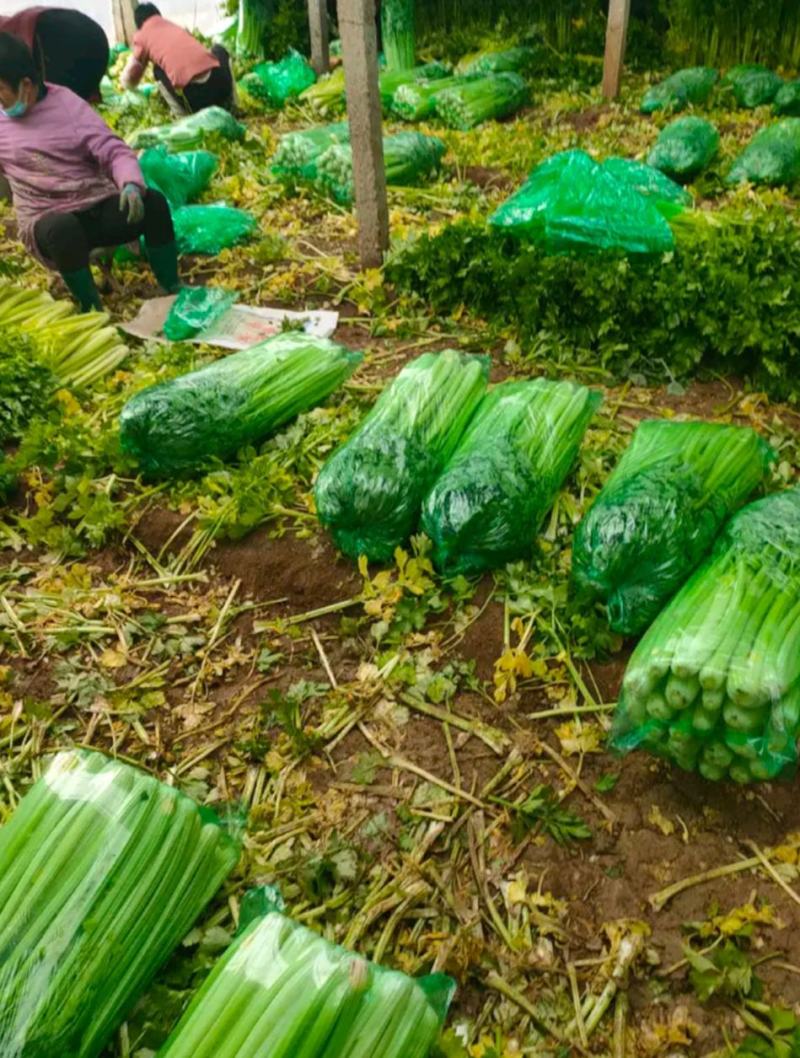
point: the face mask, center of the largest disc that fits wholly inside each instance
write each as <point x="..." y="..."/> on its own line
<point x="17" y="110"/>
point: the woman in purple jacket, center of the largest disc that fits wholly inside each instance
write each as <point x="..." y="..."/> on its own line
<point x="76" y="186"/>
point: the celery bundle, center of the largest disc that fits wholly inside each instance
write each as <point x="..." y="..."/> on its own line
<point x="210" y="229"/>
<point x="188" y="134"/>
<point x="369" y="493"/>
<point x="484" y="99"/>
<point x="488" y="504"/>
<point x="103" y="870"/>
<point x="407" y="156"/>
<point x="328" y="92"/>
<point x="390" y="80"/>
<point x="659" y="513"/>
<point x="276" y="82"/>
<point x="772" y="157"/>
<point x="416" y="100"/>
<point x="181" y="178"/>
<point x="510" y="60"/>
<point x="715" y="683"/>
<point x="282" y="991"/>
<point x="255" y="18"/>
<point x="176" y="426"/>
<point x="691" y="85"/>
<point x="399" y="40"/>
<point x="298" y="151"/>
<point x="685" y="147"/>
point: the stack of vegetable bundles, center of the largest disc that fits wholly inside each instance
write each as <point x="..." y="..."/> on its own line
<point x="407" y="156"/>
<point x="416" y="100"/>
<point x="486" y="507"/>
<point x="282" y="991"/>
<point x="714" y="685"/>
<point x="660" y="512"/>
<point x="369" y="493"/>
<point x="103" y="870"/>
<point x="276" y="82"/>
<point x="188" y="134"/>
<point x="298" y="151"/>
<point x="482" y="99"/>
<point x="175" y="427"/>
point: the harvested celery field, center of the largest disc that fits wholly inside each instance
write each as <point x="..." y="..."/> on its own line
<point x="421" y="762"/>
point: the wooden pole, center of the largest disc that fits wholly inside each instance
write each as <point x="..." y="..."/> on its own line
<point x="320" y="43"/>
<point x="124" y="26"/>
<point x="619" y="12"/>
<point x="360" y="56"/>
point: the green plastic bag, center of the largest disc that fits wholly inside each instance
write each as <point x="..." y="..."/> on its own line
<point x="210" y="229"/>
<point x="489" y="502"/>
<point x="693" y="85"/>
<point x="684" y="148"/>
<point x="483" y="99"/>
<point x="177" y="427"/>
<point x="511" y="60"/>
<point x="281" y="989"/>
<point x="772" y="157"/>
<point x="407" y="156"/>
<point x="181" y="177"/>
<point x="714" y="685"/>
<point x="524" y="214"/>
<point x="668" y="197"/>
<point x="103" y="871"/>
<point x="416" y="100"/>
<point x="369" y="493"/>
<point x="189" y="133"/>
<point x="787" y="100"/>
<point x="298" y="152"/>
<point x="752" y="85"/>
<point x="659" y="513"/>
<point x="194" y="310"/>
<point x="390" y="80"/>
<point x="399" y="34"/>
<point x="276" y="82"/>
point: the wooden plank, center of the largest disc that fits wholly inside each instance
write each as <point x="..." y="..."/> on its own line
<point x="619" y="12"/>
<point x="320" y="42"/>
<point x="360" y="56"/>
<point x="124" y="25"/>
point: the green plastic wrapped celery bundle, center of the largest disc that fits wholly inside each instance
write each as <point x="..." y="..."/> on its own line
<point x="390" y="80"/>
<point x="328" y="93"/>
<point x="787" y="100"/>
<point x="181" y="177"/>
<point x="772" y="157"/>
<point x="484" y="99"/>
<point x="488" y="504"/>
<point x="416" y="100"/>
<point x="176" y="427"/>
<point x="510" y="60"/>
<point x="282" y="991"/>
<point x="399" y="33"/>
<point x="752" y="85"/>
<point x="407" y="156"/>
<point x="211" y="229"/>
<point x="298" y="152"/>
<point x="276" y="82"/>
<point x="189" y="133"/>
<point x="369" y="493"/>
<point x="692" y="85"/>
<point x="103" y="871"/>
<point x="685" y="147"/>
<point x="669" y="198"/>
<point x="714" y="685"/>
<point x="660" y="512"/>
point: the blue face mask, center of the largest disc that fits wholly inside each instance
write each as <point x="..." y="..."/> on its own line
<point x="16" y="110"/>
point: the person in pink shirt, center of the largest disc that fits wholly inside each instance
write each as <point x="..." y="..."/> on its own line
<point x="189" y="76"/>
<point x="75" y="185"/>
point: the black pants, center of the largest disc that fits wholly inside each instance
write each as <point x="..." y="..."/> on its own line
<point x="217" y="91"/>
<point x="66" y="239"/>
<point x="71" y="49"/>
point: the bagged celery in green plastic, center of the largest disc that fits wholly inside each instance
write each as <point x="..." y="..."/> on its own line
<point x="176" y="427"/>
<point x="407" y="156"/>
<point x="399" y="33"/>
<point x="189" y="133"/>
<point x="369" y="493"/>
<point x="489" y="502"/>
<point x="298" y="152"/>
<point x="390" y="80"/>
<point x="210" y="229"/>
<point x="693" y="85"/>
<point x="194" y="310"/>
<point x="684" y="148"/>
<point x="103" y="871"/>
<point x="659" y="513"/>
<point x="752" y="85"/>
<point x="772" y="157"/>
<point x="669" y="198"/>
<point x="281" y="989"/>
<point x="482" y="99"/>
<point x="510" y="60"/>
<point x="276" y="82"/>
<point x="416" y="100"/>
<point x="327" y="94"/>
<point x="714" y="685"/>
<point x="181" y="177"/>
<point x="787" y="100"/>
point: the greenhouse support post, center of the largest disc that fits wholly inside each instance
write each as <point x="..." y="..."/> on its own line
<point x="360" y="55"/>
<point x="124" y="25"/>
<point x="318" y="24"/>
<point x="619" y="12"/>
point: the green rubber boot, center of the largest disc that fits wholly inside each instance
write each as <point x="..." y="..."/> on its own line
<point x="164" y="262"/>
<point x="82" y="286"/>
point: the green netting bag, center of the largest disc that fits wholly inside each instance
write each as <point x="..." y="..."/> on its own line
<point x="772" y="156"/>
<point x="276" y="82"/>
<point x="787" y="100"/>
<point x="714" y="685"/>
<point x="489" y="502"/>
<point x="210" y="229"/>
<point x="684" y="148"/>
<point x="189" y="133"/>
<point x="390" y="80"/>
<point x="181" y="177"/>
<point x="416" y="100"/>
<point x="369" y="493"/>
<point x="178" y="426"/>
<point x="407" y="156"/>
<point x="659" y="513"/>
<point x="103" y="871"/>
<point x="668" y="197"/>
<point x="194" y="310"/>
<point x="399" y="35"/>
<point x="283" y="990"/>
<point x="298" y="152"/>
<point x="752" y="85"/>
<point x="693" y="85"/>
<point x="510" y="60"/>
<point x="483" y="99"/>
